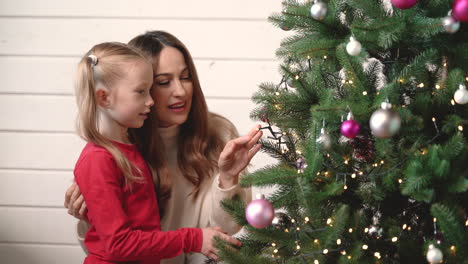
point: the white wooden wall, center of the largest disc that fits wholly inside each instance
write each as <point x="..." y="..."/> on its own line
<point x="40" y="44"/>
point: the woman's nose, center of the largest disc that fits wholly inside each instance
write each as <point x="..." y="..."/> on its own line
<point x="179" y="89"/>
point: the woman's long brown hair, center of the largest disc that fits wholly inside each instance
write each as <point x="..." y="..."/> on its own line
<point x="199" y="143"/>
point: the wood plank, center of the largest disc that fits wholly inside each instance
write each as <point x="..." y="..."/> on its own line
<point x="37" y="225"/>
<point x="227" y="9"/>
<point x="41" y="254"/>
<point x="34" y="188"/>
<point x="73" y="37"/>
<point x="54" y="75"/>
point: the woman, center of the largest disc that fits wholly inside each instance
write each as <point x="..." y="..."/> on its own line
<point x="198" y="153"/>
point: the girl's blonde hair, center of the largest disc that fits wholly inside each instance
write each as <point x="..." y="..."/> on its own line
<point x="103" y="65"/>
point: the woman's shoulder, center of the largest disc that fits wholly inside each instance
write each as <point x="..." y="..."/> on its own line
<point x="223" y="126"/>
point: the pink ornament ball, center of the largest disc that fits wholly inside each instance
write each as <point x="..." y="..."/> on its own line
<point x="404" y="4"/>
<point x="259" y="213"/>
<point x="350" y="128"/>
<point x="460" y="10"/>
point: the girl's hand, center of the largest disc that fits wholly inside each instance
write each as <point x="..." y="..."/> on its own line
<point x="208" y="248"/>
<point x="74" y="202"/>
<point x="236" y="155"/>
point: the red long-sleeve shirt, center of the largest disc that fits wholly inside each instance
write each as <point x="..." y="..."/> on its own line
<point x="125" y="222"/>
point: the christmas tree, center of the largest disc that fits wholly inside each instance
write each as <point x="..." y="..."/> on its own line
<point x="369" y="125"/>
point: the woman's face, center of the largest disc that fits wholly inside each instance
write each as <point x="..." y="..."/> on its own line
<point x="172" y="88"/>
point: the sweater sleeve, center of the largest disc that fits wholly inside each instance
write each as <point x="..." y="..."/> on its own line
<point x="218" y="216"/>
<point x="101" y="184"/>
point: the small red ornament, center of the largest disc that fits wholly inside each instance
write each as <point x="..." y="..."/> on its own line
<point x="404" y="4"/>
<point x="460" y="10"/>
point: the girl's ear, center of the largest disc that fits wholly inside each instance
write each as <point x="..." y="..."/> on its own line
<point x="102" y="96"/>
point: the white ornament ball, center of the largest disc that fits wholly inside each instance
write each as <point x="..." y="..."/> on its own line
<point x="353" y="47"/>
<point x="461" y="95"/>
<point x="450" y="24"/>
<point x="434" y="255"/>
<point x="318" y="11"/>
<point x="385" y="123"/>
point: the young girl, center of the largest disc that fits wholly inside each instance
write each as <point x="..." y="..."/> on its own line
<point x="113" y="95"/>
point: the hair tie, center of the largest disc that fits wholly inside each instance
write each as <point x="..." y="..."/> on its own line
<point x="94" y="60"/>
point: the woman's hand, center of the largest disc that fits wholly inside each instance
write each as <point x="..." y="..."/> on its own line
<point x="74" y="202"/>
<point x="208" y="248"/>
<point x="236" y="155"/>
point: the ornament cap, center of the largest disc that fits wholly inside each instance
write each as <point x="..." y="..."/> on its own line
<point x="386" y="105"/>
<point x="350" y="116"/>
<point x="461" y="86"/>
<point x="259" y="196"/>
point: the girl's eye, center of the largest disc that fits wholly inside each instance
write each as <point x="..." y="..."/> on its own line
<point x="141" y="91"/>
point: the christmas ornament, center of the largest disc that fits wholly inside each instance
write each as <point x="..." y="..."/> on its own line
<point x="285" y="26"/>
<point x="460" y="10"/>
<point x="353" y="47"/>
<point x="364" y="150"/>
<point x="350" y="128"/>
<point x="385" y="122"/>
<point x="450" y="24"/>
<point x="301" y="164"/>
<point x="375" y="231"/>
<point x="319" y="10"/>
<point x="281" y="221"/>
<point x="290" y="83"/>
<point x="324" y="139"/>
<point x="259" y="212"/>
<point x="461" y="95"/>
<point x="434" y="255"/>
<point x="404" y="4"/>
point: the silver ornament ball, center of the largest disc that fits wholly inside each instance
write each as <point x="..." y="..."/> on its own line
<point x="461" y="95"/>
<point x="385" y="123"/>
<point x="434" y="255"/>
<point x="450" y="24"/>
<point x="353" y="47"/>
<point x="324" y="139"/>
<point x="318" y="11"/>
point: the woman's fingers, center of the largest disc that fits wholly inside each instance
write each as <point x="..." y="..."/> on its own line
<point x="68" y="194"/>
<point x="73" y="198"/>
<point x="253" y="151"/>
<point x="254" y="139"/>
<point x="82" y="210"/>
<point x="231" y="240"/>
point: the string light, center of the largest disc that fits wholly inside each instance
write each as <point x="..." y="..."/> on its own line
<point x="325" y="251"/>
<point x="316" y="241"/>
<point x="276" y="251"/>
<point x="298" y="228"/>
<point x="350" y="230"/>
<point x="401" y="80"/>
<point x="437" y="86"/>
<point x="452" y="102"/>
<point x="343" y="81"/>
<point x="325" y="57"/>
<point x="421" y="85"/>
<point x="338" y="241"/>
<point x="277" y="93"/>
<point x="351" y="81"/>
<point x="445" y="64"/>
<point x="316" y="262"/>
<point x="298" y="247"/>
<point x="466" y="223"/>
<point x="377" y="255"/>
<point x="329" y="221"/>
<point x="349" y="257"/>
<point x="382" y="162"/>
<point x="404" y="226"/>
<point x="394" y="239"/>
<point x="400" y="181"/>
<point x="466" y="79"/>
<point x="273" y="244"/>
<point x="433" y="119"/>
<point x="460" y="128"/>
<point x="345" y="187"/>
<point x="346" y="161"/>
<point x="353" y="175"/>
<point x="366" y="230"/>
<point x="435" y="220"/>
<point x="306" y="219"/>
<point x="364" y="93"/>
<point x="361" y="173"/>
<point x="453" y="248"/>
<point x="296" y="77"/>
<point x="343" y="252"/>
<point x="293" y="220"/>
<point x="365" y="247"/>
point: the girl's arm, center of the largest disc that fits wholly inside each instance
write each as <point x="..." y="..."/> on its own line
<point x="102" y="191"/>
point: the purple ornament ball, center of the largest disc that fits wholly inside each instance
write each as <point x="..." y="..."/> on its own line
<point x="404" y="4"/>
<point x="259" y="213"/>
<point x="460" y="10"/>
<point x="350" y="128"/>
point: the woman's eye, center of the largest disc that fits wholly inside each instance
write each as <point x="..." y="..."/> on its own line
<point x="163" y="82"/>
<point x="186" y="78"/>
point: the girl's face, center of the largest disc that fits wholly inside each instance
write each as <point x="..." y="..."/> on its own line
<point x="129" y="98"/>
<point x="172" y="88"/>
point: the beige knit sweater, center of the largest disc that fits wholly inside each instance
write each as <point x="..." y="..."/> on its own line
<point x="182" y="210"/>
